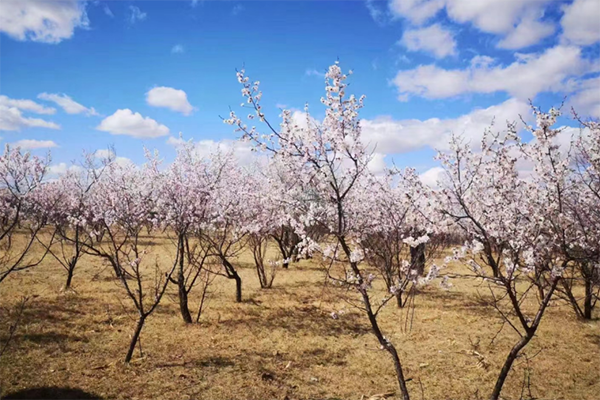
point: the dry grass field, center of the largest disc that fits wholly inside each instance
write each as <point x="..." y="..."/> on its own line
<point x="280" y="343"/>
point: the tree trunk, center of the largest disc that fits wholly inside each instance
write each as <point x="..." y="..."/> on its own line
<point x="232" y="274"/>
<point x="183" y="293"/>
<point x="587" y="302"/>
<point x="383" y="341"/>
<point x="238" y="287"/>
<point x="399" y="299"/>
<point x="70" y="272"/>
<point x="510" y="359"/>
<point x="135" y="338"/>
<point x="183" y="303"/>
<point x="387" y="345"/>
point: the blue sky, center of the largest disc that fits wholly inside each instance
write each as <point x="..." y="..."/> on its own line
<point x="77" y="75"/>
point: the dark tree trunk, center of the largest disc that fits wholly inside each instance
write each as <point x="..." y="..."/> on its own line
<point x="183" y="293"/>
<point x="529" y="334"/>
<point x="232" y="274"/>
<point x="238" y="288"/>
<point x="183" y="303"/>
<point x="135" y="338"/>
<point x="70" y="272"/>
<point x="587" y="302"/>
<point x="510" y="359"/>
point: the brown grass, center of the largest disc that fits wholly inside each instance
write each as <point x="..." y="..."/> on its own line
<point x="280" y="343"/>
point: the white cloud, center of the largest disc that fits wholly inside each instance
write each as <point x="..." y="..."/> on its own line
<point x="434" y="39"/>
<point x="106" y="154"/>
<point x="586" y="101"/>
<point x="400" y="136"/>
<point x="178" y="49"/>
<point x="26" y="105"/>
<point x="170" y="98"/>
<point x="41" y="20"/>
<point x="581" y="22"/>
<point x="529" y="75"/>
<point x="500" y="17"/>
<point x="62" y="168"/>
<point x="529" y="32"/>
<point x="68" y="104"/>
<point x="494" y="16"/>
<point x="126" y="122"/>
<point x="11" y="119"/>
<point x="242" y="151"/>
<point x="417" y="11"/>
<point x="432" y="176"/>
<point x="377" y="164"/>
<point x="28" y="144"/>
<point x="136" y="15"/>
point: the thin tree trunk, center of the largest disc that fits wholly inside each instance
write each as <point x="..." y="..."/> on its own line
<point x="135" y="338"/>
<point x="385" y="343"/>
<point x="399" y="299"/>
<point x="587" y="302"/>
<point x="529" y="334"/>
<point x="183" y="293"/>
<point x="510" y="359"/>
<point x="238" y="287"/>
<point x="69" y="275"/>
<point x="232" y="274"/>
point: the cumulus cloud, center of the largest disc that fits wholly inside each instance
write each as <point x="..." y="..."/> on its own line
<point x="41" y="20"/>
<point x="529" y="32"/>
<point x="104" y="153"/>
<point x="529" y="75"/>
<point x="242" y="151"/>
<point x="68" y="104"/>
<point x="62" y="168"/>
<point x="580" y="22"/>
<point x="107" y="154"/>
<point x="401" y="136"/>
<point x="126" y="122"/>
<point x="432" y="176"/>
<point x="586" y="101"/>
<point x="499" y="17"/>
<point x="11" y="119"/>
<point x="377" y="164"/>
<point x="434" y="39"/>
<point x="26" y="105"/>
<point x="30" y="144"/>
<point x="170" y="98"/>
<point x="417" y="11"/>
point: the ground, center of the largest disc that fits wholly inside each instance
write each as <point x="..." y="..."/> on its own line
<point x="281" y="343"/>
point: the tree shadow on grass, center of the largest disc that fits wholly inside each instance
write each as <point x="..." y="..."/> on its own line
<point x="52" y="392"/>
<point x="302" y="319"/>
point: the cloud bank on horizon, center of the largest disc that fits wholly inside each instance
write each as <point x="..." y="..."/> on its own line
<point x="87" y="75"/>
